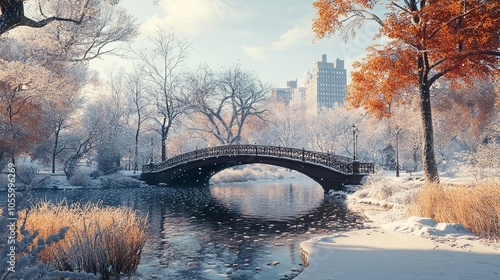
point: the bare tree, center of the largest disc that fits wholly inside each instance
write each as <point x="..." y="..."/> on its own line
<point x="13" y="13"/>
<point x="136" y="90"/>
<point x="288" y="127"/>
<point x="63" y="104"/>
<point x="87" y="135"/>
<point x="164" y="65"/>
<point x="100" y="26"/>
<point x="225" y="101"/>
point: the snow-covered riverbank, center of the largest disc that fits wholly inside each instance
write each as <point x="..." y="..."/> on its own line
<point x="399" y="248"/>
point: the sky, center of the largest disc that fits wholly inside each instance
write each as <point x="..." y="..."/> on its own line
<point x="273" y="39"/>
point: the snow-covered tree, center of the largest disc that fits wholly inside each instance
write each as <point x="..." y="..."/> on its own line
<point x="287" y="126"/>
<point x="164" y="66"/>
<point x="136" y="90"/>
<point x="224" y="101"/>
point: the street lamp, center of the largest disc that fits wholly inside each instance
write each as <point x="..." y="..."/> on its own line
<point x="354" y="140"/>
<point x="397" y="153"/>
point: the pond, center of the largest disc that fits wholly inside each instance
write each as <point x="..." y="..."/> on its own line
<point x="225" y="231"/>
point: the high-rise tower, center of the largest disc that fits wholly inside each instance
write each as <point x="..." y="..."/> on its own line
<point x="326" y="85"/>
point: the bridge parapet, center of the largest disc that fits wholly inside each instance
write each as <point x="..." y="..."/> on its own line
<point x="339" y="163"/>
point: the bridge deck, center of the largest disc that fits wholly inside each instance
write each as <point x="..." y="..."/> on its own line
<point x="197" y="167"/>
<point x="340" y="164"/>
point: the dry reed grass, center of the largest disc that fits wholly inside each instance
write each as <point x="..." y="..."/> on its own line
<point x="102" y="240"/>
<point x="476" y="207"/>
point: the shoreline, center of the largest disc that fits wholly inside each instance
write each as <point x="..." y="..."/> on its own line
<point x="395" y="248"/>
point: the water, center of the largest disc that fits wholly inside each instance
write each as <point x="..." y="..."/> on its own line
<point x="236" y="231"/>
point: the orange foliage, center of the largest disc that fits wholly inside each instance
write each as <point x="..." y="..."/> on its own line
<point x="330" y="13"/>
<point x="456" y="40"/>
<point x="22" y="87"/>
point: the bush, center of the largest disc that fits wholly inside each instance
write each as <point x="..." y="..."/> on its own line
<point x="387" y="192"/>
<point x="108" y="159"/>
<point x="106" y="241"/>
<point x="27" y="264"/>
<point x="80" y="178"/>
<point x="119" y="181"/>
<point x="25" y="174"/>
<point x="477" y="208"/>
<point x="484" y="163"/>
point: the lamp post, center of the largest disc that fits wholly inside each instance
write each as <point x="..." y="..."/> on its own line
<point x="354" y="140"/>
<point x="355" y="162"/>
<point x="397" y="153"/>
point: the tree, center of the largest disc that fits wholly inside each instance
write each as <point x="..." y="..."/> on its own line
<point x="86" y="135"/>
<point x="164" y="66"/>
<point x="22" y="87"/>
<point x="136" y="90"/>
<point x="61" y="106"/>
<point x="288" y="125"/>
<point x="226" y="100"/>
<point x="457" y="40"/>
<point x="474" y="111"/>
<point x="113" y="142"/>
<point x="13" y="14"/>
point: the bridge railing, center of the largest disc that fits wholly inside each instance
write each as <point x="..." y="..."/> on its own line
<point x="339" y="163"/>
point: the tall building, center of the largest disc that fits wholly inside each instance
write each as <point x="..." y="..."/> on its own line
<point x="326" y="85"/>
<point x="282" y="95"/>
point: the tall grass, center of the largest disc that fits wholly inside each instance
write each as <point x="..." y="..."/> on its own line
<point x="476" y="207"/>
<point x="106" y="241"/>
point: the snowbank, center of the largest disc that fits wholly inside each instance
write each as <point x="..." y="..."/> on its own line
<point x="396" y="247"/>
<point x="385" y="254"/>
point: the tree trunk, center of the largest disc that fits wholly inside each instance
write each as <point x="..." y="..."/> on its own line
<point x="70" y="167"/>
<point x="163" y="147"/>
<point x="429" y="165"/>
<point x="136" y="151"/>
<point x="54" y="151"/>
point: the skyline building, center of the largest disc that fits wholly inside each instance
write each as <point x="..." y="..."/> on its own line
<point x="282" y="95"/>
<point x="326" y="85"/>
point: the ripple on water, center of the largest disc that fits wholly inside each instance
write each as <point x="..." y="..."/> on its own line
<point x="238" y="231"/>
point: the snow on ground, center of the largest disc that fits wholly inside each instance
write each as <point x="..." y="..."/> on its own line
<point x="395" y="247"/>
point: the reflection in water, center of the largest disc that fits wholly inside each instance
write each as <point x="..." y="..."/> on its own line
<point x="271" y="200"/>
<point x="225" y="230"/>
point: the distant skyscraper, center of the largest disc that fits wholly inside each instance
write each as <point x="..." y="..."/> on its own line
<point x="326" y="85"/>
<point x="282" y="95"/>
<point x="292" y="84"/>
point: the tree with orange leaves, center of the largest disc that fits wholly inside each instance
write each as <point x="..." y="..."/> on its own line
<point x="428" y="40"/>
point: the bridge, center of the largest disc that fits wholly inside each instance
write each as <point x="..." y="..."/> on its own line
<point x="198" y="166"/>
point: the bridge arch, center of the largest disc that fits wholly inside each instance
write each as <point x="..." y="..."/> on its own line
<point x="197" y="167"/>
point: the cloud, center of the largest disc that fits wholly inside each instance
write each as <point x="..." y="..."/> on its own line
<point x="187" y="16"/>
<point x="257" y="53"/>
<point x="293" y="37"/>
